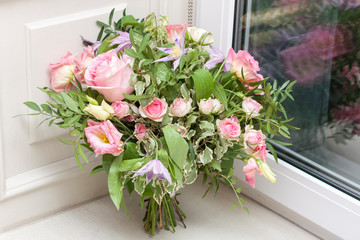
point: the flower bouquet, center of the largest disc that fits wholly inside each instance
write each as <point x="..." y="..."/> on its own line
<point x="161" y="105"/>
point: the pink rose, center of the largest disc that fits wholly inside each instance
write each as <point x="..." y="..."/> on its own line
<point x="229" y="128"/>
<point x="175" y="28"/>
<point x="250" y="171"/>
<point x="156" y="110"/>
<point x="140" y="131"/>
<point x="211" y="106"/>
<point x="260" y="152"/>
<point x="242" y="63"/>
<point x="110" y="76"/>
<point x="86" y="58"/>
<point x="121" y="109"/>
<point x="253" y="138"/>
<point x="104" y="138"/>
<point x="63" y="72"/>
<point x="251" y="107"/>
<point x="180" y="107"/>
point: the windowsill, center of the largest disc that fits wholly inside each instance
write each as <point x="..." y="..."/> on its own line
<point x="305" y="200"/>
<point x="209" y="218"/>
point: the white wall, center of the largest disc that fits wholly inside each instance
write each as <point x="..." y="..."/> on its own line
<point x="38" y="174"/>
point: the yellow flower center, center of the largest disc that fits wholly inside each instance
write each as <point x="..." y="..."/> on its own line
<point x="103" y="138"/>
<point x="175" y="52"/>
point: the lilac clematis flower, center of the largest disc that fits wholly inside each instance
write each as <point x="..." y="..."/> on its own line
<point x="154" y="168"/>
<point x="94" y="44"/>
<point x="216" y="56"/>
<point x="174" y="52"/>
<point x="123" y="40"/>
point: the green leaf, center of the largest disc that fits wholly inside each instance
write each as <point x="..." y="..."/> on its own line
<point x="82" y="153"/>
<point x="220" y="94"/>
<point x="75" y="132"/>
<point x="46" y="108"/>
<point x="144" y="43"/>
<point x="162" y="73"/>
<point x="67" y="142"/>
<point x="114" y="182"/>
<point x="215" y="166"/>
<point x="70" y="103"/>
<point x="135" y="98"/>
<point x="96" y="169"/>
<point x="104" y="47"/>
<point x="129" y="20"/>
<point x="139" y="88"/>
<point x="77" y="159"/>
<point x="107" y="160"/>
<point x="131" y="53"/>
<point x="163" y="157"/>
<point x="204" y="84"/>
<point x="33" y="106"/>
<point x="133" y="164"/>
<point x="102" y="24"/>
<point x="111" y="16"/>
<point x="130" y="151"/>
<point x="206" y="156"/>
<point x="178" y="147"/>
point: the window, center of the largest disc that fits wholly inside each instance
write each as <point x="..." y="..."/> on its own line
<point x="317" y="43"/>
<point x="316" y="187"/>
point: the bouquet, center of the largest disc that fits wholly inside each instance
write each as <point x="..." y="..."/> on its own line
<point x="162" y="105"/>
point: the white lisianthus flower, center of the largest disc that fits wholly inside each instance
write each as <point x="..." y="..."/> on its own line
<point x="196" y="34"/>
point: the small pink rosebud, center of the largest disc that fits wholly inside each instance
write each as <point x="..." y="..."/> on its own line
<point x="140" y="131"/>
<point x="156" y="110"/>
<point x="180" y="107"/>
<point x="229" y="128"/>
<point x="251" y="107"/>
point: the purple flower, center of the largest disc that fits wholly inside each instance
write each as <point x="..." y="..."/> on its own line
<point x="123" y="40"/>
<point x="216" y="56"/>
<point x="174" y="52"/>
<point x="154" y="168"/>
<point x="94" y="44"/>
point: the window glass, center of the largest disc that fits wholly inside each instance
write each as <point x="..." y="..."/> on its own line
<point x="316" y="43"/>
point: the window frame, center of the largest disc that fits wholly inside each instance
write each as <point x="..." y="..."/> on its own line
<point x="307" y="201"/>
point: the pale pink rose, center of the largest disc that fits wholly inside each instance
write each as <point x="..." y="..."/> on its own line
<point x="63" y="72"/>
<point x="156" y="110"/>
<point x="180" y="107"/>
<point x="86" y="58"/>
<point x="129" y="60"/>
<point x="206" y="106"/>
<point x="253" y="138"/>
<point x="210" y="106"/>
<point x="104" y="138"/>
<point x="242" y="63"/>
<point x="133" y="114"/>
<point x="260" y="152"/>
<point x="175" y="28"/>
<point x="121" y="109"/>
<point x="251" y="107"/>
<point x="229" y="128"/>
<point x="110" y="76"/>
<point x="250" y="171"/>
<point x="140" y="131"/>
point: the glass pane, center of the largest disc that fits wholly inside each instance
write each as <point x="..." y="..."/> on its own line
<point x="316" y="43"/>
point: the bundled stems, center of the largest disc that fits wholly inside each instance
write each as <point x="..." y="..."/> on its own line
<point x="155" y="214"/>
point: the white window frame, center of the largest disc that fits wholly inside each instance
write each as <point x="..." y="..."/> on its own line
<point x="299" y="197"/>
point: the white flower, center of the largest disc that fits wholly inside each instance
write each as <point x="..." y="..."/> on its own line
<point x="196" y="34"/>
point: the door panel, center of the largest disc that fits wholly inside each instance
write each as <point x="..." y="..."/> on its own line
<point x="38" y="174"/>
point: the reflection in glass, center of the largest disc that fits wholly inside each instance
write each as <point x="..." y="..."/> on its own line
<point x="316" y="43"/>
